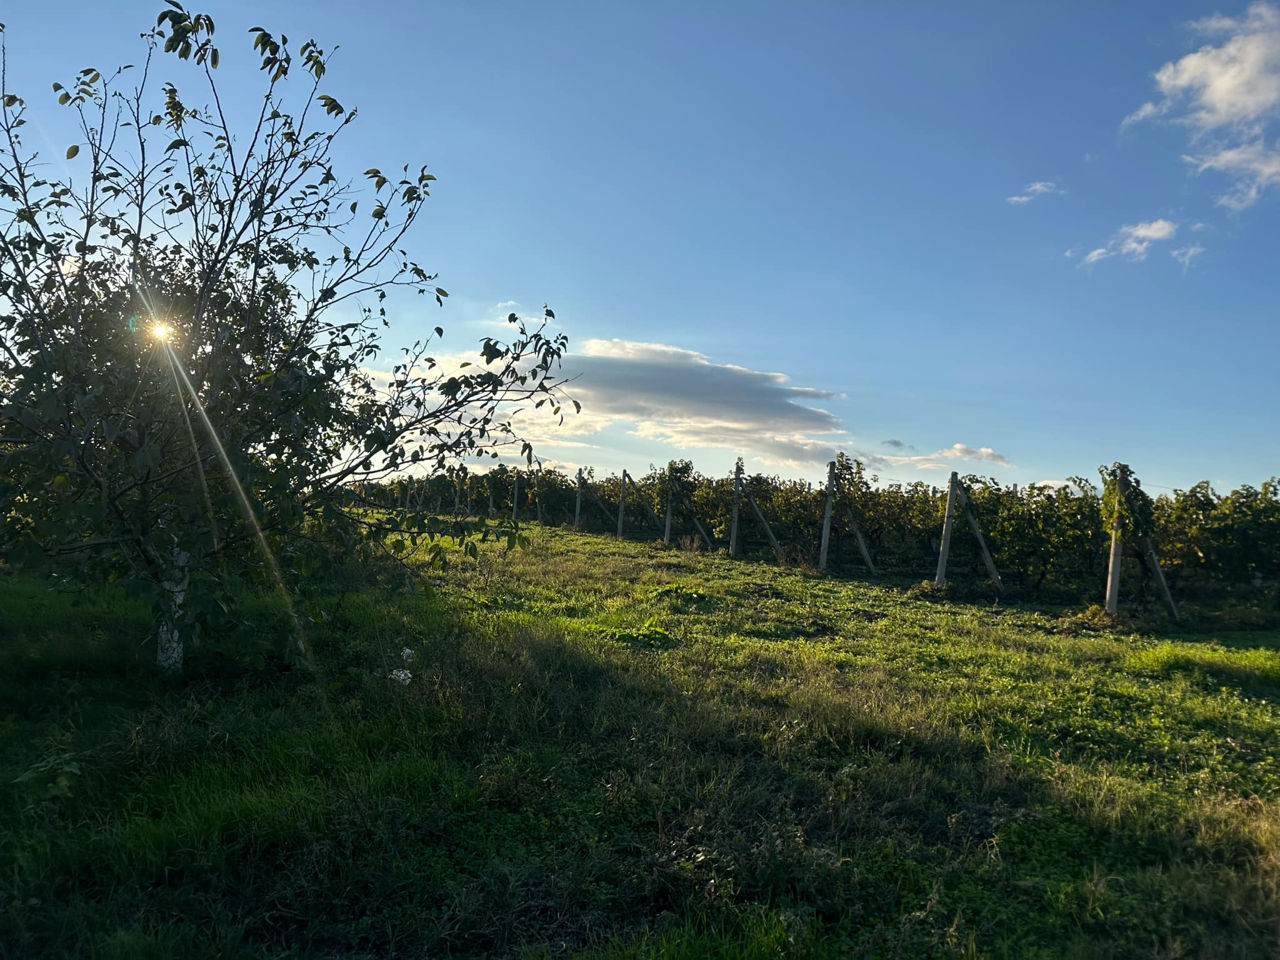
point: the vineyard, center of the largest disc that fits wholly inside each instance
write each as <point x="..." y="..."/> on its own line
<point x="1049" y="542"/>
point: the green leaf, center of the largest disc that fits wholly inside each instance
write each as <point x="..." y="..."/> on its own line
<point x="72" y="151"/>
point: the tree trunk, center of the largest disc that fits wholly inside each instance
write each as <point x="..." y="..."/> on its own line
<point x="169" y="640"/>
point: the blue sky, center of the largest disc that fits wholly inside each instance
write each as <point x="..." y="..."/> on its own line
<point x="1013" y="239"/>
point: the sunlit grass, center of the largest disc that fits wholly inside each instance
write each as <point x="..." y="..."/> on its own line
<point x="614" y="750"/>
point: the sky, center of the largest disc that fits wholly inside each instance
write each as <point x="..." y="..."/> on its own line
<point x="1017" y="240"/>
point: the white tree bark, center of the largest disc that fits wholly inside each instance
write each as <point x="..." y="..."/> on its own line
<point x="169" y="643"/>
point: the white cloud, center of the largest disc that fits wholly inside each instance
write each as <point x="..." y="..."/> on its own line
<point x="1184" y="255"/>
<point x="1135" y="239"/>
<point x="1037" y="188"/>
<point x="1132" y="241"/>
<point x="1237" y="82"/>
<point x="681" y="398"/>
<point x="939" y="458"/>
<point x="1151" y="230"/>
<point x="961" y="451"/>
<point x="1253" y="166"/>
<point x="1144" y="112"/>
<point x="1227" y="94"/>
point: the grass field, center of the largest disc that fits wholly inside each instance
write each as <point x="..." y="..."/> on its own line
<point x="613" y="750"/>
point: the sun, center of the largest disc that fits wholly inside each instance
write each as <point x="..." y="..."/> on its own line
<point x="162" y="332"/>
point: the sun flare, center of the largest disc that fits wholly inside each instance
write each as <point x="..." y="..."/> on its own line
<point x="162" y="332"/>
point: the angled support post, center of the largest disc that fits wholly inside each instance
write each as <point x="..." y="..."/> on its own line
<point x="608" y="517"/>
<point x="1154" y="562"/>
<point x="706" y="537"/>
<point x="768" y="531"/>
<point x="862" y="544"/>
<point x="649" y="511"/>
<point x="977" y="532"/>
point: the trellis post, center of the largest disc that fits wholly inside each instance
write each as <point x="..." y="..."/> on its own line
<point x="947" y="522"/>
<point x="622" y="501"/>
<point x="1117" y="546"/>
<point x="826" y="516"/>
<point x="537" y="492"/>
<point x="737" y="501"/>
<point x="666" y="530"/>
<point x="577" y="501"/>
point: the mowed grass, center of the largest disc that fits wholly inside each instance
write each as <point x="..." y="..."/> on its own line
<point x="619" y="751"/>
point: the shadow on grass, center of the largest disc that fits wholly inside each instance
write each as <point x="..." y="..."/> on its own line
<point x="531" y="790"/>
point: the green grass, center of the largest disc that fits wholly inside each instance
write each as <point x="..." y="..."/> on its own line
<point x="611" y="750"/>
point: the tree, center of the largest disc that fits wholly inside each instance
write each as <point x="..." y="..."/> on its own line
<point x="185" y="328"/>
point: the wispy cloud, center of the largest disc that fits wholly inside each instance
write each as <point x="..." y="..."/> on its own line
<point x="939" y="459"/>
<point x="1228" y="95"/>
<point x="1037" y="188"/>
<point x="1132" y="241"/>
<point x="960" y="451"/>
<point x="1253" y="166"/>
<point x="1184" y="255"/>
